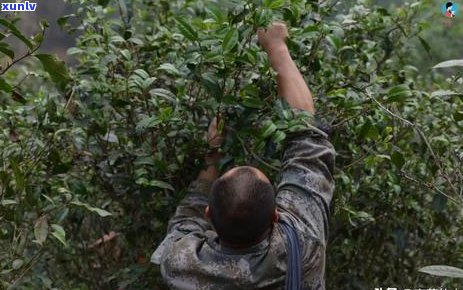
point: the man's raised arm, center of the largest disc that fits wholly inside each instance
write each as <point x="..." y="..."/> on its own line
<point x="306" y="183"/>
<point x="291" y="84"/>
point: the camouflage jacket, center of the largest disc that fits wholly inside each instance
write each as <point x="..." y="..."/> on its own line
<point x="191" y="257"/>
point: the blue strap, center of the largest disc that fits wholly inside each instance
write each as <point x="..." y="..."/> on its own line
<point x="294" y="260"/>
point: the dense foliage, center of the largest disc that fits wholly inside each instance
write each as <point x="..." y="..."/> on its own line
<point x="95" y="158"/>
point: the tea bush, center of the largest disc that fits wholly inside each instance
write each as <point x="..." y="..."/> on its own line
<point x="96" y="157"/>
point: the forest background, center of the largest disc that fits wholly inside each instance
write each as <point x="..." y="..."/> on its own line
<point x="98" y="150"/>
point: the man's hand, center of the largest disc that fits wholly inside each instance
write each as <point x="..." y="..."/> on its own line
<point x="214" y="138"/>
<point x="273" y="37"/>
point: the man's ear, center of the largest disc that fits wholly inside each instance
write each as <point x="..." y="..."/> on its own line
<point x="207" y="212"/>
<point x="276" y="216"/>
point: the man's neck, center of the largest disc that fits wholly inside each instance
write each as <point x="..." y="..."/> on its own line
<point x="247" y="245"/>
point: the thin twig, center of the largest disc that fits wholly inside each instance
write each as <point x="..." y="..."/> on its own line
<point x="429" y="185"/>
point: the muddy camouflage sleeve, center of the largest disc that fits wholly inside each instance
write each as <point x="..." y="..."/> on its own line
<point x="189" y="216"/>
<point x="306" y="181"/>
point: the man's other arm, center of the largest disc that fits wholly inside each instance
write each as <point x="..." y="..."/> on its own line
<point x="189" y="215"/>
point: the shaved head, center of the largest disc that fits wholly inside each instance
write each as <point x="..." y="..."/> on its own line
<point x="242" y="205"/>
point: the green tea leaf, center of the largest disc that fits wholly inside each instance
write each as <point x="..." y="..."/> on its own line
<point x="15" y="31"/>
<point x="8" y="202"/>
<point x="59" y="234"/>
<point x="147" y="123"/>
<point x="62" y="21"/>
<point x="4" y="86"/>
<point x="168" y="95"/>
<point x="74" y="50"/>
<point x="399" y="93"/>
<point x="161" y="184"/>
<point x="99" y="211"/>
<point x="117" y="39"/>
<point x="186" y="29"/>
<point x="103" y="3"/>
<point x="211" y="83"/>
<point x="449" y="63"/>
<point x="216" y="13"/>
<point x="18" y="175"/>
<point x="425" y="45"/>
<point x="274" y="4"/>
<point x="230" y="40"/>
<point x="169" y="68"/>
<point x="398" y="159"/>
<point x="252" y="102"/>
<point x="335" y="41"/>
<point x="126" y="54"/>
<point x="278" y="136"/>
<point x="458" y="116"/>
<point x="444" y="93"/>
<point x="267" y="129"/>
<point x="41" y="230"/>
<point x="263" y="17"/>
<point x="17" y="263"/>
<point x="5" y="48"/>
<point x="55" y="68"/>
<point x="442" y="270"/>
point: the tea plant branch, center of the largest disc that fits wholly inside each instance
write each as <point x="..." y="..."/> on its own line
<point x="29" y="53"/>
<point x="335" y="232"/>
<point x="70" y="99"/>
<point x="314" y="49"/>
<point x="249" y="151"/>
<point x="37" y="157"/>
<point x="429" y="185"/>
<point x="361" y="158"/>
<point x="343" y="121"/>
<point x="29" y="265"/>
<point x="423" y="137"/>
<point x="9" y="65"/>
<point x="22" y="80"/>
